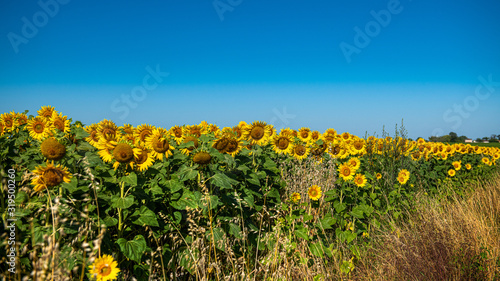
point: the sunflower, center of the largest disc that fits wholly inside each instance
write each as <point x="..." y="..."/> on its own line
<point x="176" y="132"/>
<point x="2" y="128"/>
<point x="107" y="130"/>
<point x="300" y="151"/>
<point x="355" y="163"/>
<point x="404" y="173"/>
<point x="144" y="159"/>
<point x="46" y="112"/>
<point x="257" y="133"/>
<point x="345" y="136"/>
<point x="49" y="176"/>
<point x="238" y="130"/>
<point x="9" y="121"/>
<point x="188" y="139"/>
<point x="295" y="197"/>
<point x="60" y="122"/>
<point x="304" y="134"/>
<point x="104" y="268"/>
<point x="468" y="166"/>
<point x="159" y="143"/>
<point x="143" y="131"/>
<point x="214" y="129"/>
<point x="360" y="180"/>
<point x="358" y="147"/>
<point x="314" y="192"/>
<point x="202" y="158"/>
<point x="378" y="176"/>
<point x="93" y="139"/>
<point x="128" y="132"/>
<point x="346" y="172"/>
<point x="457" y="165"/>
<point x="485" y="160"/>
<point x="416" y="155"/>
<point x="227" y="143"/>
<point x="452" y="172"/>
<point x="282" y="143"/>
<point x="402" y="179"/>
<point x="195" y="130"/>
<point x="21" y="119"/>
<point x="38" y="128"/>
<point x="52" y="149"/>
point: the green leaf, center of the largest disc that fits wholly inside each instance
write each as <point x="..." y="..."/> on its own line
<point x="188" y="259"/>
<point x="327" y="222"/>
<point x="146" y="217"/>
<point x="253" y="179"/>
<point x="218" y="238"/>
<point x="235" y="230"/>
<point x="80" y="133"/>
<point x="122" y="203"/>
<point x="187" y="199"/>
<point x="130" y="179"/>
<point x="187" y="173"/>
<point x="339" y="207"/>
<point x="317" y="249"/>
<point x="71" y="186"/>
<point x="223" y="181"/>
<point x="110" y="221"/>
<point x="301" y="232"/>
<point x="133" y="249"/>
<point x="174" y="185"/>
<point x="357" y="212"/>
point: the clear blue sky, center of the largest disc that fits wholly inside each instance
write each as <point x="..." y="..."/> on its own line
<point x="350" y="65"/>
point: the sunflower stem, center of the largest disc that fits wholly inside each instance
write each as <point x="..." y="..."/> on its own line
<point x="120" y="215"/>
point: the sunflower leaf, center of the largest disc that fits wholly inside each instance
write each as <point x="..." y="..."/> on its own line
<point x="223" y="181"/>
<point x="130" y="179"/>
<point x="133" y="249"/>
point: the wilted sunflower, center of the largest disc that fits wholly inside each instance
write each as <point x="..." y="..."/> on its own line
<point x="346" y="172"/>
<point x="104" y="268"/>
<point x="452" y="172"/>
<point x="46" y="112"/>
<point x="159" y="143"/>
<point x="38" y="128"/>
<point x="360" y="180"/>
<point x="49" y="176"/>
<point x="52" y="149"/>
<point x="202" y="158"/>
<point x="60" y="122"/>
<point x="282" y="143"/>
<point x="300" y="151"/>
<point x="314" y="192"/>
<point x="295" y="197"/>
<point x="257" y="133"/>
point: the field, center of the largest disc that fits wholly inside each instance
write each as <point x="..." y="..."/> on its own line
<point x="199" y="202"/>
<point x="491" y="144"/>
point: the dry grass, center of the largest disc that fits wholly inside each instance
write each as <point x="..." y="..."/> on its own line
<point x="442" y="240"/>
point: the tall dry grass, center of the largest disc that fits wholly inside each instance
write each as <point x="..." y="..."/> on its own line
<point x="443" y="239"/>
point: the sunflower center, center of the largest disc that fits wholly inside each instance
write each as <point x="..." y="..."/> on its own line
<point x="109" y="133"/>
<point x="358" y="145"/>
<point x="202" y="158"/>
<point x="59" y="124"/>
<point x="283" y="143"/>
<point x="313" y="193"/>
<point x="142" y="157"/>
<point x="52" y="149"/>
<point x="178" y="133"/>
<point x="346" y="171"/>
<point x="222" y="144"/>
<point x="123" y="153"/>
<point x="257" y="133"/>
<point x="52" y="177"/>
<point x="38" y="128"/>
<point x="304" y="134"/>
<point x="300" y="150"/>
<point x="105" y="270"/>
<point x="160" y="145"/>
<point x="232" y="146"/>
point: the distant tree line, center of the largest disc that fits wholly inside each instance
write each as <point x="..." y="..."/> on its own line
<point x="453" y="137"/>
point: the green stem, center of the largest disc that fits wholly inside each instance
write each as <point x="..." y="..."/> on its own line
<point x="120" y="215"/>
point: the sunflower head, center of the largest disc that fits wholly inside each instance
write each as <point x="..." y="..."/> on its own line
<point x="360" y="180"/>
<point x="202" y="158"/>
<point x="378" y="176"/>
<point x="314" y="192"/>
<point x="123" y="153"/>
<point x="50" y="176"/>
<point x="52" y="149"/>
<point x="46" y="111"/>
<point x="295" y="197"/>
<point x="452" y="172"/>
<point x="345" y="171"/>
<point x="104" y="268"/>
<point x="468" y="166"/>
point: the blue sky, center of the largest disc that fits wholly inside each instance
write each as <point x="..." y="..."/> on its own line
<point x="354" y="66"/>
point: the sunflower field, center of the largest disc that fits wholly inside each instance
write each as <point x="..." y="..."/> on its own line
<point x="199" y="202"/>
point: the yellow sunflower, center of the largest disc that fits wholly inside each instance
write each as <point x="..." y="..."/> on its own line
<point x="188" y="139"/>
<point x="404" y="173"/>
<point x="194" y="130"/>
<point x="52" y="149"/>
<point x="304" y="134"/>
<point x="345" y="171"/>
<point x="144" y="159"/>
<point x="21" y="119"/>
<point x="107" y="130"/>
<point x="314" y="192"/>
<point x="485" y="160"/>
<point x="457" y="165"/>
<point x="176" y="132"/>
<point x="128" y="132"/>
<point x="358" y="147"/>
<point x="360" y="180"/>
<point x="300" y="151"/>
<point x="402" y="179"/>
<point x="452" y="172"/>
<point x="143" y="131"/>
<point x="123" y="153"/>
<point x="38" y="128"/>
<point x="468" y="166"/>
<point x="378" y="176"/>
<point x="159" y="143"/>
<point x="60" y="122"/>
<point x="93" y="139"/>
<point x="46" y="112"/>
<point x="295" y="197"/>
<point x="315" y="135"/>
<point x="104" y="268"/>
<point x="9" y="121"/>
<point x="2" y="128"/>
<point x="49" y="176"/>
<point x="355" y="163"/>
<point x="282" y="143"/>
<point x="257" y="133"/>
